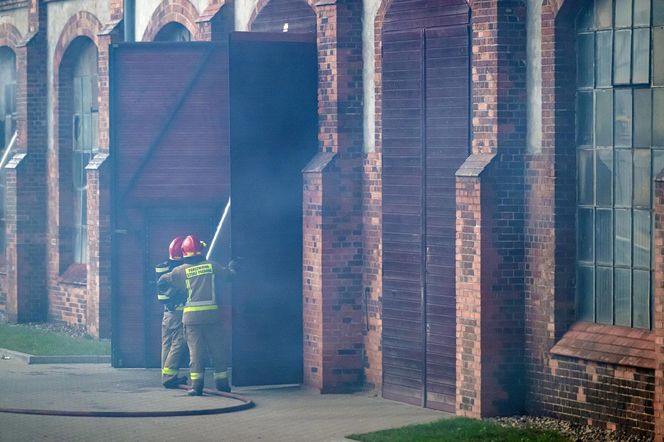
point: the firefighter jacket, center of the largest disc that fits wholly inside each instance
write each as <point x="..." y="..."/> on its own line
<point x="202" y="281"/>
<point x="171" y="298"/>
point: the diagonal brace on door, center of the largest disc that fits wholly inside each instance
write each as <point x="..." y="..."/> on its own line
<point x="167" y="122"/>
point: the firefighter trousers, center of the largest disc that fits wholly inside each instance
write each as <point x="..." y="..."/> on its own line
<point x="172" y="347"/>
<point x="207" y="341"/>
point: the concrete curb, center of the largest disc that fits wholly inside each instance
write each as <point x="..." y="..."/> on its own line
<point x="33" y="359"/>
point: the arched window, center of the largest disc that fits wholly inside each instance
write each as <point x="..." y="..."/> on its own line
<point x="620" y="148"/>
<point x="173" y="31"/>
<point x="7" y="122"/>
<point x="84" y="121"/>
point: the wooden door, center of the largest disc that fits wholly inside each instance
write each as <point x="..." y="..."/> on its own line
<point x="425" y="121"/>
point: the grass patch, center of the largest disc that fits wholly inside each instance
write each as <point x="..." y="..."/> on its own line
<point x="31" y="340"/>
<point x="460" y="429"/>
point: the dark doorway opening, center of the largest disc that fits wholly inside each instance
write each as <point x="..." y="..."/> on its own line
<point x="274" y="129"/>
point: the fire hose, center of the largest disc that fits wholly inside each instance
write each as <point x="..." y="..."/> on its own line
<point x="244" y="405"/>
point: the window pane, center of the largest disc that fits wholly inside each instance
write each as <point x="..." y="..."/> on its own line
<point x="584" y="119"/>
<point x="657" y="162"/>
<point x="585" y="55"/>
<point x="642" y="178"/>
<point x="623" y="178"/>
<point x="585" y="293"/>
<point x="603" y="13"/>
<point x="604" y="295"/>
<point x="622" y="50"/>
<point x="641" y="12"/>
<point x="604" y="177"/>
<point x="658" y="12"/>
<point x="658" y="117"/>
<point x="77" y="95"/>
<point x="641" y="298"/>
<point x="641" y="242"/>
<point x="585" y="243"/>
<point x="604" y="56"/>
<point x="94" y="125"/>
<point x="604" y="117"/>
<point x="642" y="118"/>
<point x="623" y="13"/>
<point x="584" y="21"/>
<point x="658" y="56"/>
<point x="87" y="136"/>
<point x="586" y="177"/>
<point x="641" y="55"/>
<point x="623" y="297"/>
<point x="604" y="236"/>
<point x="623" y="117"/>
<point x="623" y="240"/>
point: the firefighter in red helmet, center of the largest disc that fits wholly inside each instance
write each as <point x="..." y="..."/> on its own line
<point x="173" y="343"/>
<point x="201" y="280"/>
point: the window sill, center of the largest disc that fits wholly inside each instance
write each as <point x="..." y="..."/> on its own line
<point x="610" y="344"/>
<point x="76" y="274"/>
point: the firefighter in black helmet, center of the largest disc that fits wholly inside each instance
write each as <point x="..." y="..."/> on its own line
<point x="173" y="343"/>
<point x="201" y="280"/>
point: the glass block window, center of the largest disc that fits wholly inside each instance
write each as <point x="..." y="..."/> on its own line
<point x="620" y="149"/>
<point x="84" y="141"/>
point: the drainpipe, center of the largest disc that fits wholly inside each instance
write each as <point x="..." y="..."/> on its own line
<point x="129" y="14"/>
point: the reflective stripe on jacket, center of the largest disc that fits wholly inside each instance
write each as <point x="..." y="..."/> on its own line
<point x="201" y="280"/>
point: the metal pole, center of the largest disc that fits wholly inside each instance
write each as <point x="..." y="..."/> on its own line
<point x="213" y="243"/>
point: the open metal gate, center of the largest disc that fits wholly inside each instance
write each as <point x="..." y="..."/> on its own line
<point x="171" y="142"/>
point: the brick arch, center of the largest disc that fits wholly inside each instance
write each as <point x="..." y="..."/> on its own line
<point x="81" y="24"/>
<point x="178" y="11"/>
<point x="9" y="36"/>
<point x="271" y="9"/>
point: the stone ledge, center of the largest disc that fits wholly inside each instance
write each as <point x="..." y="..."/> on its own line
<point x="610" y="344"/>
<point x="72" y="359"/>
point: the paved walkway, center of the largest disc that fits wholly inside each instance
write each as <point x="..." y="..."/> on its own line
<point x="281" y="414"/>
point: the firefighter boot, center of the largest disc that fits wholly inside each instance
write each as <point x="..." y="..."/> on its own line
<point x="221" y="381"/>
<point x="222" y="385"/>
<point x="195" y="392"/>
<point x="175" y="382"/>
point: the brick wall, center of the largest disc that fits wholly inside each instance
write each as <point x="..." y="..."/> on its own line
<point x="26" y="172"/>
<point x="658" y="288"/>
<point x="67" y="283"/>
<point x="605" y="395"/>
<point x="611" y="395"/>
<point x="372" y="272"/>
<point x="340" y="310"/>
<point x="490" y="216"/>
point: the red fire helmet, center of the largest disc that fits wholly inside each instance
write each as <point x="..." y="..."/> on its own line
<point x="192" y="246"/>
<point x="175" y="249"/>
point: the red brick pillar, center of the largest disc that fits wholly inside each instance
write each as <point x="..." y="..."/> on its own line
<point x="658" y="282"/>
<point x="98" y="305"/>
<point x="216" y="22"/>
<point x="490" y="218"/>
<point x="27" y="181"/>
<point x="332" y="292"/>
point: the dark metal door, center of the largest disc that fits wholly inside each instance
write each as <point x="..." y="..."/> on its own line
<point x="169" y="146"/>
<point x="274" y="134"/>
<point x="425" y="125"/>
